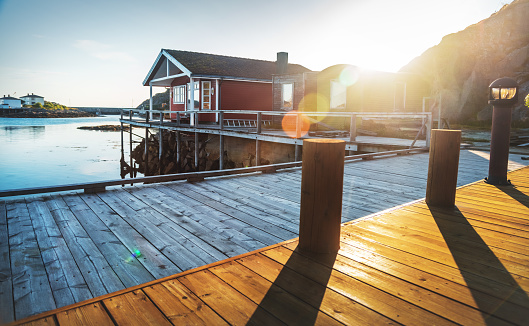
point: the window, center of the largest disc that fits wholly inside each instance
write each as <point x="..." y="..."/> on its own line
<point x="338" y="95"/>
<point x="287" y="96"/>
<point x="179" y="95"/>
<point x="196" y="96"/>
<point x="206" y="95"/>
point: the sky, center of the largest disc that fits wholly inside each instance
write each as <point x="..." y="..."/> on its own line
<point x="97" y="53"/>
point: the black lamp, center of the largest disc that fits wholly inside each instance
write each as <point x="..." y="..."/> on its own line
<point x="503" y="95"/>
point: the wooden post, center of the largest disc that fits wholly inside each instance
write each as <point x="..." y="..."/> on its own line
<point x="221" y="141"/>
<point x="352" y="128"/>
<point x="146" y="152"/>
<point x="160" y="145"/>
<point x="178" y="150"/>
<point x="257" y="141"/>
<point x="196" y="152"/>
<point x="321" y="195"/>
<point x="130" y="146"/>
<point x="442" y="168"/>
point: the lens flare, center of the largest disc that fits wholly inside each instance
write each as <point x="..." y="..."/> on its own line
<point x="349" y="76"/>
<point x="289" y="123"/>
<point x="314" y="102"/>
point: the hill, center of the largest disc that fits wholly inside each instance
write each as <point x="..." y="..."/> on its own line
<point x="158" y="101"/>
<point x="462" y="66"/>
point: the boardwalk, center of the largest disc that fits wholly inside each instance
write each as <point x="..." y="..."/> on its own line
<point x="56" y="250"/>
<point x="415" y="265"/>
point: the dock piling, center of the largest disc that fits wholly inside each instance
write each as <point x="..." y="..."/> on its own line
<point x="321" y="195"/>
<point x="442" y="167"/>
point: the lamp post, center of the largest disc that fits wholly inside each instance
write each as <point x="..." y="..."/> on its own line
<point x="503" y="94"/>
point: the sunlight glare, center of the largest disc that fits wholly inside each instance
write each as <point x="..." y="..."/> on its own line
<point x="289" y="124"/>
<point x="315" y="102"/>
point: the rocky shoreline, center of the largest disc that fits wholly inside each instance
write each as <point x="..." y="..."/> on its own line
<point x="43" y="113"/>
<point x="105" y="128"/>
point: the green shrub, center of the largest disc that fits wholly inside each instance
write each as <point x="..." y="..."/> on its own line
<point x="527" y="100"/>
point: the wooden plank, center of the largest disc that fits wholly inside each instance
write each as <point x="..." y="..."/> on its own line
<point x="414" y="294"/>
<point x="251" y="219"/>
<point x="181" y="306"/>
<point x="213" y="239"/>
<point x="47" y="321"/>
<point x="435" y="283"/>
<point x="461" y="232"/>
<point x="316" y="294"/>
<point x="134" y="308"/>
<point x="419" y="243"/>
<point x="425" y="264"/>
<point x="145" y="222"/>
<point x="130" y="271"/>
<point x="32" y="293"/>
<point x="206" y="216"/>
<point x="95" y="269"/>
<point x="230" y="304"/>
<point x="156" y="263"/>
<point x="271" y="297"/>
<point x="364" y="294"/>
<point x="477" y="221"/>
<point x="65" y="278"/>
<point x="220" y="202"/>
<point x="90" y="314"/>
<point x="7" y="311"/>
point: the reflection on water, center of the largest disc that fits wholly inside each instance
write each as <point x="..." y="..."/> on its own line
<point x="44" y="152"/>
<point x="8" y="132"/>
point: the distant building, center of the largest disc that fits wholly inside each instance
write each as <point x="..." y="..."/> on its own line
<point x="9" y="102"/>
<point x="32" y="99"/>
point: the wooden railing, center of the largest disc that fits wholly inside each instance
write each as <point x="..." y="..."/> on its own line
<point x="425" y="117"/>
<point x="100" y="186"/>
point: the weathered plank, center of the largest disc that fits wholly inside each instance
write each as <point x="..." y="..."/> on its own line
<point x="31" y="290"/>
<point x="7" y="311"/>
<point x="181" y="306"/>
<point x="65" y="278"/>
<point x="157" y="264"/>
<point x="130" y="271"/>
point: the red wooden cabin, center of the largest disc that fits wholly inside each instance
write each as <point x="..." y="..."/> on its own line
<point x="209" y="82"/>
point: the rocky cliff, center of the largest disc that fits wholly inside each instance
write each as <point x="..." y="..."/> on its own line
<point x="462" y="66"/>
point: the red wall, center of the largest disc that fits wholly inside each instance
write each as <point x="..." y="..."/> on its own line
<point x="235" y="95"/>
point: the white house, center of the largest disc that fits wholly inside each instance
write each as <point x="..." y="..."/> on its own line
<point x="8" y="102"/>
<point x="32" y="99"/>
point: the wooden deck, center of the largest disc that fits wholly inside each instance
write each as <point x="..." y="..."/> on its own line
<point x="61" y="249"/>
<point x="414" y="265"/>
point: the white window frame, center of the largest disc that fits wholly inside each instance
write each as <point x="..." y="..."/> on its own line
<point x="283" y="96"/>
<point x="332" y="94"/>
<point x="179" y="94"/>
<point x="206" y="98"/>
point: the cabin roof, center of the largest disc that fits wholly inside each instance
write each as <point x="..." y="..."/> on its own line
<point x="216" y="66"/>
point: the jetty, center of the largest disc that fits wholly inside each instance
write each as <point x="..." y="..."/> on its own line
<point x="170" y="250"/>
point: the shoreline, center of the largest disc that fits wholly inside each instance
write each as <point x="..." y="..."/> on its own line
<point x="43" y="113"/>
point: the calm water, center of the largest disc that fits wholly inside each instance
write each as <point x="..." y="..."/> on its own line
<point x="44" y="152"/>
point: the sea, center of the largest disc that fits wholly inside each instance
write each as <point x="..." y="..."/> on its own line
<point x="37" y="152"/>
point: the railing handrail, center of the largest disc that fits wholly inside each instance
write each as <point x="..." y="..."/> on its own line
<point x="308" y="113"/>
<point x="189" y="176"/>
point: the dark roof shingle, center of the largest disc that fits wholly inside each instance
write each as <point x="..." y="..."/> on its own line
<point x="224" y="66"/>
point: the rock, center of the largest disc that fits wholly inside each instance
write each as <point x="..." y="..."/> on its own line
<point x="462" y="66"/>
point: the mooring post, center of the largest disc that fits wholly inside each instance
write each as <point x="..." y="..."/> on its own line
<point x="442" y="168"/>
<point x="321" y="195"/>
<point x="221" y="141"/>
